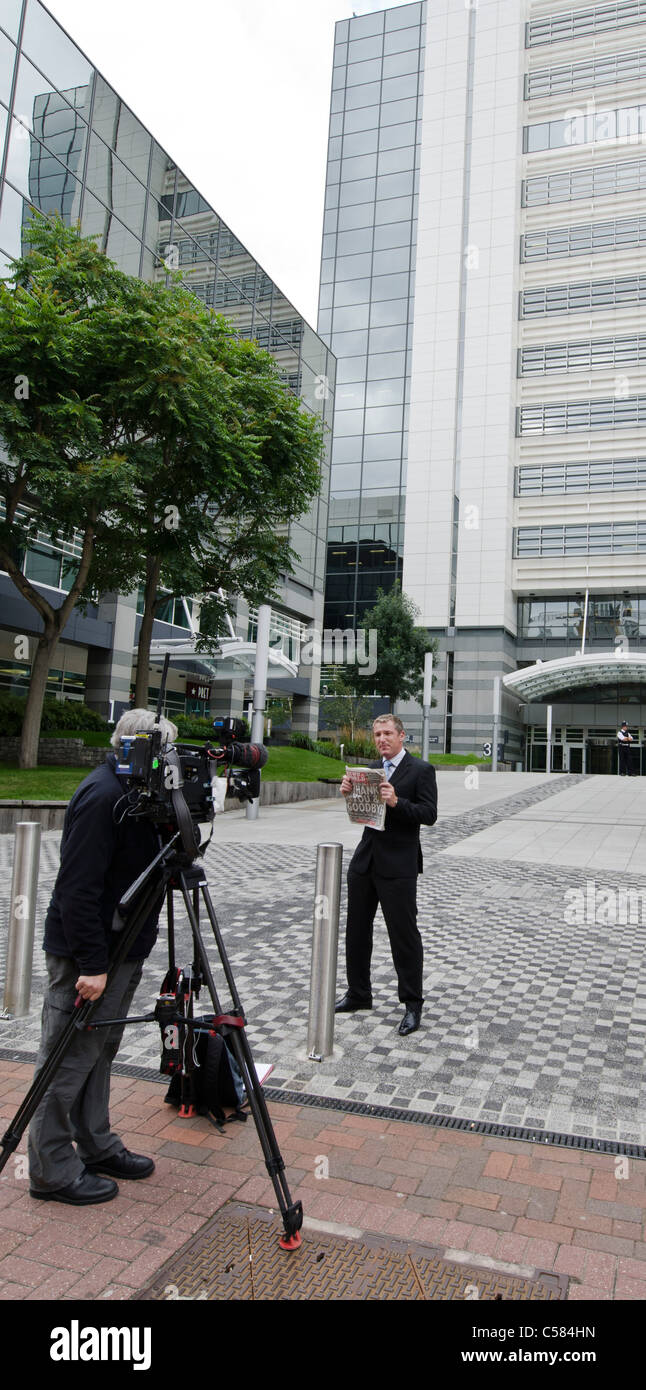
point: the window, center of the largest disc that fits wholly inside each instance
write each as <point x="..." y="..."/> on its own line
<point x="555" y="478"/>
<point x="366" y="95"/>
<point x="43" y="565"/>
<point x="349" y="243"/>
<point x="350" y="317"/>
<point x="603" y="538"/>
<point x="575" y="24"/>
<point x="621" y="125"/>
<point x="365" y="142"/>
<point x="352" y="292"/>
<point x="583" y="239"/>
<point x="359" y="166"/>
<point x="593" y="181"/>
<point x="591" y="354"/>
<point x="559" y="416"/>
<point x="361" y="49"/>
<point x="359" y="74"/>
<point x="593" y="72"/>
<point x="583" y="296"/>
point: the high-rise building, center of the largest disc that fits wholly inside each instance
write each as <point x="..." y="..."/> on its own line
<point x="516" y="510"/>
<point x="366" y="297"/>
<point x="70" y="145"/>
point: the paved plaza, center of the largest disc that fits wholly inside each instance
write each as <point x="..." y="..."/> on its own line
<point x="535" y="1007"/>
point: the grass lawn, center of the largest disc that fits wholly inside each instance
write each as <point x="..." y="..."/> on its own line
<point x="283" y="765"/>
<point x="457" y="759"/>
<point x="39" y="783"/>
<point x="297" y="765"/>
<point x="91" y="738"/>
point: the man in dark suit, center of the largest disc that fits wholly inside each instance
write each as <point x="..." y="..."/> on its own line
<point x="383" y="872"/>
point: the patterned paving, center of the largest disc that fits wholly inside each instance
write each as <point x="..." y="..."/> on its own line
<point x="529" y="1019"/>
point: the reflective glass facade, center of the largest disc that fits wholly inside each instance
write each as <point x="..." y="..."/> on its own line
<point x="69" y="144"/>
<point x="560" y="619"/>
<point x="515" y="183"/>
<point x="366" y="296"/>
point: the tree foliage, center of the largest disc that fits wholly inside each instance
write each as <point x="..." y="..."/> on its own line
<point x="134" y="418"/>
<point x="401" y="646"/>
<point x="344" y="705"/>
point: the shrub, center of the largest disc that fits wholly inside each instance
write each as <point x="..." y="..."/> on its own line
<point x="196" y="726"/>
<point x="12" y="708"/>
<point x="57" y="714"/>
<point x="70" y="714"/>
<point x="360" y="748"/>
<point x="327" y="750"/>
<point x="301" y="741"/>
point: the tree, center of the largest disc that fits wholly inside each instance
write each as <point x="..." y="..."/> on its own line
<point x="226" y="458"/>
<point x="401" y="646"/>
<point x="60" y="473"/>
<point x="344" y="705"/>
<point x="135" y="417"/>
<point x="279" y="710"/>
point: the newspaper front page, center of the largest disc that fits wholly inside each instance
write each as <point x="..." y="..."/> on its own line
<point x="364" y="803"/>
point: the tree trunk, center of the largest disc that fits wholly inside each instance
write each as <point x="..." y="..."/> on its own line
<point x="47" y="645"/>
<point x="153" y="566"/>
<point x="54" y="620"/>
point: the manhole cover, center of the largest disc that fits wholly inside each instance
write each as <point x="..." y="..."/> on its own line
<point x="236" y="1256"/>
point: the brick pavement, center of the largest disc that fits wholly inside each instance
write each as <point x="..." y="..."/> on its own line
<point x="528" y="1208"/>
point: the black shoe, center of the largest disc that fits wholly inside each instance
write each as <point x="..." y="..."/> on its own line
<point x="83" y="1192"/>
<point x="411" y="1020"/>
<point x="349" y="1004"/>
<point x="123" y="1165"/>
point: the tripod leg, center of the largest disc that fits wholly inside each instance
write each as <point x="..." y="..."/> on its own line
<point x="291" y="1212"/>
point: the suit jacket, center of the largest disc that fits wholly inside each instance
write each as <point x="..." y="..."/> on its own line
<point x="395" y="851"/>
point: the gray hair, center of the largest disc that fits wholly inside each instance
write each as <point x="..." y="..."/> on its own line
<point x="141" y="721"/>
<point x="389" y="719"/>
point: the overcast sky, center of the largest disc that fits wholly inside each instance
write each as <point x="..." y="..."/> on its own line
<point x="238" y="92"/>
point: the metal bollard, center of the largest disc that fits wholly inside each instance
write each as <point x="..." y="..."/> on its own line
<point x="325" y="942"/>
<point x="22" y="919"/>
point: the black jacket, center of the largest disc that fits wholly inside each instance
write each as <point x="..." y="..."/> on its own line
<point x="395" y="851"/>
<point x="99" y="860"/>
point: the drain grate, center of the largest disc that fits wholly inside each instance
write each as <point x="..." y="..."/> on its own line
<point x="236" y="1256"/>
<point x="436" y="1121"/>
<point x="493" y="1128"/>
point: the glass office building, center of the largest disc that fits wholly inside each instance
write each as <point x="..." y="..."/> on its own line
<point x="70" y="145"/>
<point x="366" y="297"/>
<point x="483" y="288"/>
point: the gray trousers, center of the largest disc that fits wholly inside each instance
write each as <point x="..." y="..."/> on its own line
<point x="75" y="1108"/>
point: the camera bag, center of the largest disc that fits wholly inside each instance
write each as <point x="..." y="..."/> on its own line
<point x="216" y="1082"/>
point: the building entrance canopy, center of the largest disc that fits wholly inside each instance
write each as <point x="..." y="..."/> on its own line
<point x="546" y="679"/>
<point x="236" y="657"/>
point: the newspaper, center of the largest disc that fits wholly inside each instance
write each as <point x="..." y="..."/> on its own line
<point x="364" y="803"/>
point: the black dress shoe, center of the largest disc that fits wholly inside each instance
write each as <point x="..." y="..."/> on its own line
<point x="349" y="1004"/>
<point x="83" y="1192"/>
<point x="123" y="1165"/>
<point x="411" y="1020"/>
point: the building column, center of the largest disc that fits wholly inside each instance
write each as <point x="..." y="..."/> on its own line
<point x="109" y="673"/>
<point x="227" y="699"/>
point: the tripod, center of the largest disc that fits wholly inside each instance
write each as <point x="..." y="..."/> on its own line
<point x="172" y="870"/>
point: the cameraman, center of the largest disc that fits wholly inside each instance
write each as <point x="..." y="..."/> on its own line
<point x="102" y="853"/>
